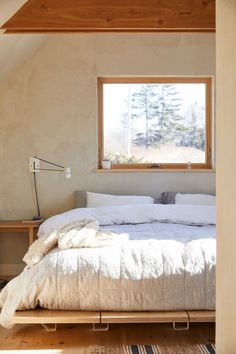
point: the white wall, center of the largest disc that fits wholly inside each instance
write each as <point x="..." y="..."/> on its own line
<point x="226" y="177"/>
<point x="15" y="49"/>
<point x="9" y="8"/>
<point x="49" y="108"/>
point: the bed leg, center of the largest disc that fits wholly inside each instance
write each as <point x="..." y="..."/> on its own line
<point x="99" y="327"/>
<point x="183" y="327"/>
<point x="48" y="328"/>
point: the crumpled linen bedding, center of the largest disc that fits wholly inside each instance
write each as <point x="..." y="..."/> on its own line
<point x="163" y="266"/>
<point x="134" y="214"/>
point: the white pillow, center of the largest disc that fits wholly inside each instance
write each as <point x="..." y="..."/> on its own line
<point x="195" y="199"/>
<point x="95" y="200"/>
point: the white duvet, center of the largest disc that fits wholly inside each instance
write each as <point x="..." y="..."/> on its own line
<point x="168" y="263"/>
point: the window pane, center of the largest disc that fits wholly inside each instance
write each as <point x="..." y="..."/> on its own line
<point x="154" y="123"/>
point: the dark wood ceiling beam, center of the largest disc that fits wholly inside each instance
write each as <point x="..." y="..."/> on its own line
<point x="113" y="16"/>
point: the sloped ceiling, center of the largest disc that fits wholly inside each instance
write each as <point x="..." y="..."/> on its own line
<point x="15" y="49"/>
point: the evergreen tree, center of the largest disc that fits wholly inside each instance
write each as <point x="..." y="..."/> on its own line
<point x="144" y="103"/>
<point x="160" y="105"/>
<point x="169" y="122"/>
<point x="126" y="122"/>
<point x="194" y="135"/>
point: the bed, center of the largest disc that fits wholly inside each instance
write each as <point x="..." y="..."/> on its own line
<point x="163" y="272"/>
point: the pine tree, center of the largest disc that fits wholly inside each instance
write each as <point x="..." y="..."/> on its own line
<point x="126" y="121"/>
<point x="169" y="123"/>
<point x="194" y="135"/>
<point x="160" y="105"/>
<point x="144" y="103"/>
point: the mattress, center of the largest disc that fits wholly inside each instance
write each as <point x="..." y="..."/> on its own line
<point x="163" y="266"/>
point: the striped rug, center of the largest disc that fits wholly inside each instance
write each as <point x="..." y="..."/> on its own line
<point x="153" y="349"/>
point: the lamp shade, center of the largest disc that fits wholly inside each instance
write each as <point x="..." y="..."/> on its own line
<point x="67" y="173"/>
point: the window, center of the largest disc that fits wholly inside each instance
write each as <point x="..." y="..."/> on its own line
<point x="155" y="122"/>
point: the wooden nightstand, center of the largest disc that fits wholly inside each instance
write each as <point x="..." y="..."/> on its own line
<point x="30" y="227"/>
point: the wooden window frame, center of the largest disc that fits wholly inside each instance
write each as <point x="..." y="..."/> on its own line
<point x="157" y="80"/>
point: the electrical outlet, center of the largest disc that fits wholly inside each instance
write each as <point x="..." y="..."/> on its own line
<point x="34" y="164"/>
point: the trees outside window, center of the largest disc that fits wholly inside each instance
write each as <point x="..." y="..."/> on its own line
<point x="160" y="121"/>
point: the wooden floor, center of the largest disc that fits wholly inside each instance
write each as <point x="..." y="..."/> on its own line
<point x="76" y="338"/>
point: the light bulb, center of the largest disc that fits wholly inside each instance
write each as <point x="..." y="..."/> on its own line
<point x="67" y="173"/>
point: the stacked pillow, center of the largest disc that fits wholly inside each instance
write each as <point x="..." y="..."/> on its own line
<point x="195" y="199"/>
<point x="189" y="199"/>
<point x="95" y="200"/>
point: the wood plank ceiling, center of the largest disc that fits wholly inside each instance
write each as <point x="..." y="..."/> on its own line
<point x="38" y="16"/>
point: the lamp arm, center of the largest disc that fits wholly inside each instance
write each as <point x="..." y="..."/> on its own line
<point x="50" y="163"/>
<point x="34" y="166"/>
<point x="51" y="169"/>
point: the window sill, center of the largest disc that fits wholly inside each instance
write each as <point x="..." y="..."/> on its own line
<point x="155" y="170"/>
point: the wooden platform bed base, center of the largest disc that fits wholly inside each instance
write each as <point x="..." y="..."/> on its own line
<point x="101" y="319"/>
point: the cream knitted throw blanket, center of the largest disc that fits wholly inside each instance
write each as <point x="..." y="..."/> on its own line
<point x="79" y="234"/>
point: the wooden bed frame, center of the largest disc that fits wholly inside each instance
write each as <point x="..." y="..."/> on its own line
<point x="101" y="319"/>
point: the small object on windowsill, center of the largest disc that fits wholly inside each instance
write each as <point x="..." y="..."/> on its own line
<point x="155" y="165"/>
<point x="3" y="282"/>
<point x="189" y="166"/>
<point x="106" y="164"/>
